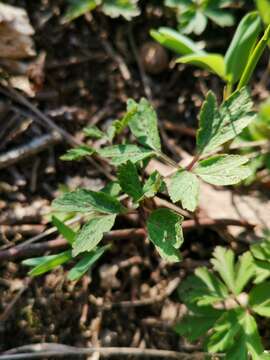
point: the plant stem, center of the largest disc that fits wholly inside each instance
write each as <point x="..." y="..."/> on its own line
<point x="254" y="58"/>
<point x="167" y="160"/>
<point x="193" y="162"/>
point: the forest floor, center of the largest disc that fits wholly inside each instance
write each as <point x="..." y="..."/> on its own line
<point x="92" y="67"/>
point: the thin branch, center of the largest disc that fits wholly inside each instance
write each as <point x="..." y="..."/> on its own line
<point x="32" y="148"/>
<point x="58" y="350"/>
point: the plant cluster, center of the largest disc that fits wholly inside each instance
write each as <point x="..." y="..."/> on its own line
<point x="224" y="302"/>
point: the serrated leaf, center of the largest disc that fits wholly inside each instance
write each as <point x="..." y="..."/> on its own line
<point x="113" y="188"/>
<point x="216" y="289"/>
<point x="144" y="124"/>
<point x="244" y="271"/>
<point x="223" y="169"/>
<point x="224" y="332"/>
<point x="78" y="153"/>
<point x="79" y="7"/>
<point x="86" y="201"/>
<point x="217" y="126"/>
<point x="118" y="126"/>
<point x="175" y="41"/>
<point x="64" y="230"/>
<point x="261" y="250"/>
<point x="152" y="185"/>
<point x="262" y="271"/>
<point x="129" y="180"/>
<point x="126" y="8"/>
<point x="212" y="62"/>
<point x="184" y="186"/>
<point x="241" y="46"/>
<point x="85" y="263"/>
<point x="165" y="232"/>
<point x="197" y="323"/>
<point x="94" y="132"/>
<point x="92" y="233"/>
<point x="120" y="154"/>
<point x="223" y="262"/>
<point x="252" y="337"/>
<point x="49" y="263"/>
<point x="259" y="299"/>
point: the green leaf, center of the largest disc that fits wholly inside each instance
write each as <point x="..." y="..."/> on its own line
<point x="259" y="299"/>
<point x="165" y="231"/>
<point x="144" y="124"/>
<point x="152" y="185"/>
<point x="217" y="126"/>
<point x="212" y="62"/>
<point x="244" y="271"/>
<point x="120" y="154"/>
<point x="175" y="41"/>
<point x="113" y="188"/>
<point x="263" y="7"/>
<point x="192" y="22"/>
<point x="221" y="18"/>
<point x="261" y="250"/>
<point x="197" y="324"/>
<point x="126" y="8"/>
<point x="86" y="201"/>
<point x="94" y="132"/>
<point x="239" y="350"/>
<point x="129" y="181"/>
<point x="64" y="230"/>
<point x="118" y="126"/>
<point x="50" y="262"/>
<point x="223" y="263"/>
<point x="85" y="263"/>
<point x="241" y="46"/>
<point x="78" y="153"/>
<point x="262" y="271"/>
<point x="215" y="290"/>
<point x="252" y="337"/>
<point x="224" y="332"/>
<point x="32" y="262"/>
<point x="184" y="186"/>
<point x="92" y="233"/>
<point x="223" y="169"/>
<point x="78" y="8"/>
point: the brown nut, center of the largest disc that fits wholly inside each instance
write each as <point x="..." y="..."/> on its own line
<point x="154" y="58"/>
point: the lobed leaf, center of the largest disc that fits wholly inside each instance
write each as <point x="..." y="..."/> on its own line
<point x="144" y="124"/>
<point x="94" y="132"/>
<point x="129" y="181"/>
<point x="92" y="233"/>
<point x="165" y="232"/>
<point x="78" y="153"/>
<point x="152" y="185"/>
<point x="259" y="299"/>
<point x="244" y="271"/>
<point x="218" y="126"/>
<point x="120" y="154"/>
<point x="223" y="169"/>
<point x="86" y="201"/>
<point x="184" y="186"/>
<point x="223" y="263"/>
